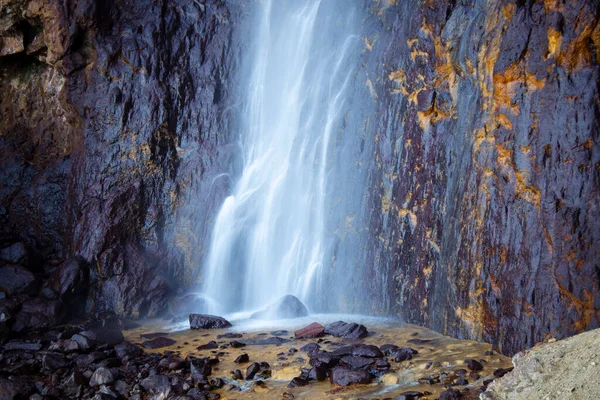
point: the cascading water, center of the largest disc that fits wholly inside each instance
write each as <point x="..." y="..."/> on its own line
<point x="271" y="235"/>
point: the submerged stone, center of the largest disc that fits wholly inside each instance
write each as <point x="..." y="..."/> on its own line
<point x="205" y="321"/>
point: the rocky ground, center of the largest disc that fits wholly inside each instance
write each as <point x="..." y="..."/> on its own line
<point x="567" y="369"/>
<point x="110" y="358"/>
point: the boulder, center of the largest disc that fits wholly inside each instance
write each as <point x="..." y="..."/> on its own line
<point x="205" y="321"/>
<point x="342" y="376"/>
<point x="355" y="362"/>
<point x="156" y="383"/>
<point x="158" y="343"/>
<point x="109" y="336"/>
<point x="102" y="376"/>
<point x="313" y="330"/>
<point x="38" y="313"/>
<point x="286" y="307"/>
<point x="345" y="330"/>
<point x="16" y="279"/>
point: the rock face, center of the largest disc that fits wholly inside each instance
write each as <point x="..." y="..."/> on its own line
<point x="486" y="171"/>
<point x="481" y="158"/>
<point x="121" y="117"/>
<point x="286" y="307"/>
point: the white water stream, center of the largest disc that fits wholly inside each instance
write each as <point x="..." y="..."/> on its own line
<point x="271" y="233"/>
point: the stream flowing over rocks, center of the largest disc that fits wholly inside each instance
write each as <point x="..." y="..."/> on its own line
<point x="474" y="153"/>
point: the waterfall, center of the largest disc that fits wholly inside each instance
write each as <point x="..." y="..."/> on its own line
<point x="271" y="234"/>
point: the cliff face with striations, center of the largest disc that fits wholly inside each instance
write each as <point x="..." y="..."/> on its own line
<point x="488" y="139"/>
<point x="482" y="155"/>
<point x="113" y="115"/>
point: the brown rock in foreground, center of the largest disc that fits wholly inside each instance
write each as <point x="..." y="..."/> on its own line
<point x="313" y="330"/>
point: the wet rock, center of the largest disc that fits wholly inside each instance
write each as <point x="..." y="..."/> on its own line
<point x="410" y="395"/>
<point x="450" y="394"/>
<point x="154" y="335"/>
<point x="158" y="342"/>
<point x="217" y="383"/>
<point x="474" y="365"/>
<point x="403" y="354"/>
<point x="16" y="253"/>
<point x="310" y="347"/>
<point x="252" y="370"/>
<point x="366" y="350"/>
<point x="242" y="358"/>
<point x="317" y="374"/>
<point x="344" y="376"/>
<point x="230" y="335"/>
<point x="297" y="382"/>
<point x="102" y="376"/>
<point x="204" y="321"/>
<point x="38" y="313"/>
<point x="500" y="372"/>
<point x="127" y="349"/>
<point x="355" y="362"/>
<point x="286" y="307"/>
<point x="272" y="340"/>
<point x="208" y="346"/>
<point x="236" y="345"/>
<point x="388" y="349"/>
<point x="201" y="366"/>
<point x="238" y="375"/>
<point x="83" y="343"/>
<point x="16" y="279"/>
<point x="346" y="330"/>
<point x="324" y="359"/>
<point x="156" y="383"/>
<point x="313" y="330"/>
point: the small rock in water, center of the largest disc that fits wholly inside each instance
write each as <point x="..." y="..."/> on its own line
<point x="500" y="372"/>
<point x="272" y="340"/>
<point x="243" y="358"/>
<point x="403" y="354"/>
<point x="204" y="321"/>
<point x="412" y="395"/>
<point x="252" y="370"/>
<point x="158" y="343"/>
<point x="345" y="330"/>
<point x="450" y="394"/>
<point x="208" y="346"/>
<point x="230" y="335"/>
<point x="236" y="345"/>
<point x="286" y="307"/>
<point x="297" y="382"/>
<point x="343" y="376"/>
<point x="474" y="365"/>
<point x="280" y="333"/>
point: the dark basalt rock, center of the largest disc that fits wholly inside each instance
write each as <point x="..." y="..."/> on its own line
<point x="324" y="359"/>
<point x="126" y="349"/>
<point x="208" y="346"/>
<point x="297" y="382"/>
<point x="236" y="345"/>
<point x="403" y="354"/>
<point x="410" y="395"/>
<point x="355" y="362"/>
<point x="500" y="372"/>
<point x="15" y="388"/>
<point x="16" y="279"/>
<point x="272" y="340"/>
<point x="345" y="330"/>
<point x="38" y="313"/>
<point x="158" y="342"/>
<point x="102" y="376"/>
<point x="450" y="394"/>
<point x="230" y="335"/>
<point x="252" y="370"/>
<point x="318" y="374"/>
<point x="387" y="349"/>
<point x="242" y="358"/>
<point x="474" y="365"/>
<point x="156" y="383"/>
<point x="286" y="307"/>
<point x="310" y="347"/>
<point x="204" y="321"/>
<point x="313" y="330"/>
<point x="103" y="335"/>
<point x="18" y="345"/>
<point x="343" y="376"/>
